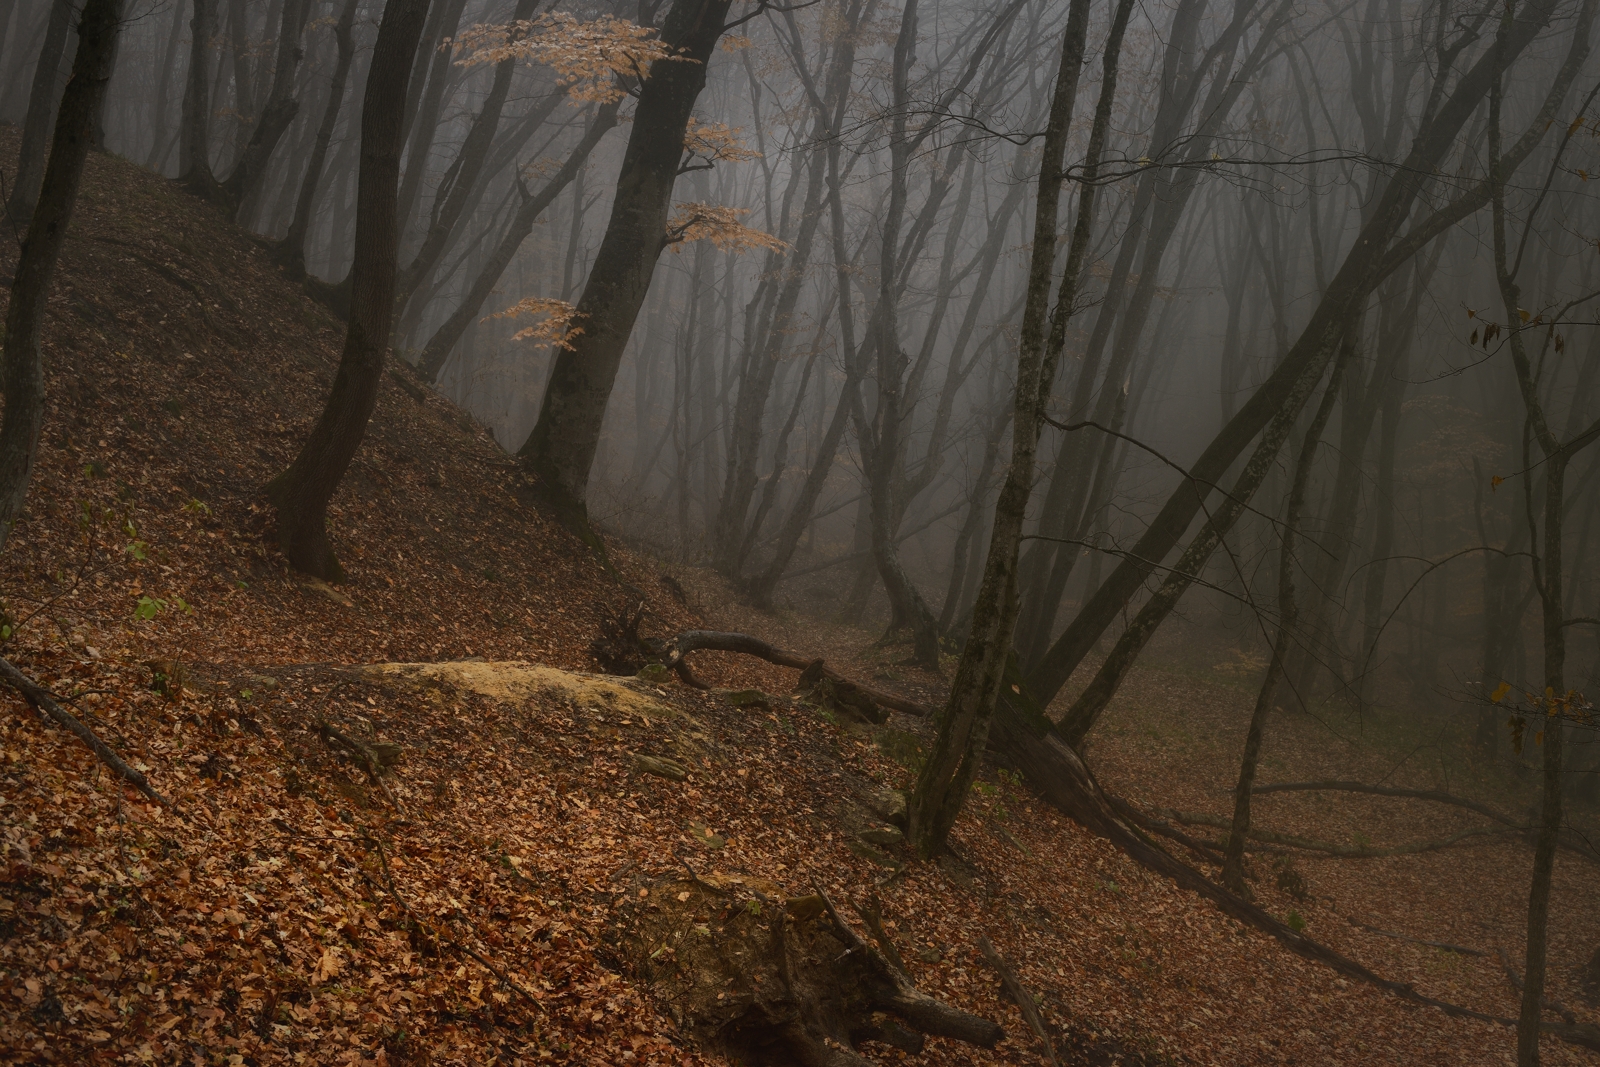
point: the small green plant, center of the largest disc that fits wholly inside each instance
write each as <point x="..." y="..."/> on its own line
<point x="246" y="694"/>
<point x="985" y="788"/>
<point x="753" y="906"/>
<point x="149" y="607"/>
<point x="195" y="506"/>
<point x="1295" y="921"/>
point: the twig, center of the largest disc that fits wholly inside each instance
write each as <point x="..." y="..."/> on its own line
<point x="41" y="699"/>
<point x="872" y="915"/>
<point x="697" y="880"/>
<point x="1019" y="993"/>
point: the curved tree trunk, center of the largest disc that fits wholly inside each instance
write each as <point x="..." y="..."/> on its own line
<point x="562" y="446"/>
<point x="240" y="189"/>
<point x="194" y="140"/>
<point x="22" y="375"/>
<point x="302" y="492"/>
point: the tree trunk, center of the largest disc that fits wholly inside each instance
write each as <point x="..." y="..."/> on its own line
<point x="239" y="191"/>
<point x="455" y="195"/>
<point x="293" y="247"/>
<point x="160" y="140"/>
<point x="23" y="370"/>
<point x="423" y="126"/>
<point x="561" y="448"/>
<point x="302" y="492"/>
<point x="194" y="142"/>
<point x="1365" y="265"/>
<point x="1233" y="854"/>
<point x="962" y="723"/>
<point x="449" y="333"/>
<point x="36" y="131"/>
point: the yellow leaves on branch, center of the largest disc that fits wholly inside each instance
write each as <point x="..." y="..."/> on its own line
<point x="555" y="329"/>
<point x="720" y="226"/>
<point x="714" y="141"/>
<point x="588" y="57"/>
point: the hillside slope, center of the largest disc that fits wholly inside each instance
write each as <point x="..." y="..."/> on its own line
<point x="496" y="897"/>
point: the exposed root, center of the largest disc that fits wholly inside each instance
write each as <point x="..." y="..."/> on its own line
<point x="768" y="980"/>
<point x="1020" y="996"/>
<point x="1305" y="844"/>
<point x="711" y="640"/>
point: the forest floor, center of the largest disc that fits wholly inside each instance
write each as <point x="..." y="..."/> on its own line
<point x="482" y="902"/>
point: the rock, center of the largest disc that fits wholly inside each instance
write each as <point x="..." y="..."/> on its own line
<point x="654" y="673"/>
<point x="803" y="908"/>
<point x="317" y="585"/>
<point x="929" y="954"/>
<point x="888" y="805"/>
<point x="660" y="767"/>
<point x="745" y="698"/>
<point x="702" y="836"/>
<point x="872" y="854"/>
<point x="266" y="682"/>
<point x="883" y="835"/>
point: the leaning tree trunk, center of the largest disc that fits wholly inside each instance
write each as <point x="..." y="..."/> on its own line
<point x="1233" y="853"/>
<point x="302" y="492"/>
<point x="450" y="331"/>
<point x="1375" y="254"/>
<point x="293" y="248"/>
<point x="239" y="191"/>
<point x="962" y="723"/>
<point x="160" y="141"/>
<point x="562" y="446"/>
<point x="41" y="110"/>
<point x="22" y="375"/>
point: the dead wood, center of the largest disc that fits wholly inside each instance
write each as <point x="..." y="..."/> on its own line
<point x="768" y="980"/>
<point x="1053" y="768"/>
<point x="1570" y="841"/>
<point x="41" y="699"/>
<point x="744" y="644"/>
<point x="1515" y="979"/>
<point x="1444" y="945"/>
<point x="1305" y="844"/>
<point x="1020" y="995"/>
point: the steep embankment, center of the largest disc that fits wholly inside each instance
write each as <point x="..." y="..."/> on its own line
<point x="487" y="899"/>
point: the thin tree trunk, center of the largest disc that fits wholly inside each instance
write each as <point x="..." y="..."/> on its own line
<point x="449" y="333"/>
<point x="22" y="376"/>
<point x="1374" y="254"/>
<point x="240" y="189"/>
<point x="1233" y="852"/>
<point x="962" y="723"/>
<point x="293" y="247"/>
<point x="36" y="130"/>
<point x="425" y="125"/>
<point x="302" y="492"/>
<point x="160" y="140"/>
<point x="194" y="142"/>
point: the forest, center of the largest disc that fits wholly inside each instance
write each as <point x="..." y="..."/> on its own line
<point x="816" y="532"/>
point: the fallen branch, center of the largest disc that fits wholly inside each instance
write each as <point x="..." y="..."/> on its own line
<point x="1445" y="945"/>
<point x="1306" y="844"/>
<point x="1020" y="995"/>
<point x="1570" y="841"/>
<point x="744" y="644"/>
<point x="900" y="997"/>
<point x="41" y="699"/>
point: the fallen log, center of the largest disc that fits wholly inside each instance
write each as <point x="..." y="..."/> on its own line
<point x="1020" y="996"/>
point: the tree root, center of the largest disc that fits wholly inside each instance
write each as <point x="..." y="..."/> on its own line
<point x="1020" y="996"/>
<point x="1570" y="841"/>
<point x="1022" y="736"/>
<point x="711" y="640"/>
<point x="1306" y="844"/>
<point x="41" y="699"/>
<point x="763" y="979"/>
